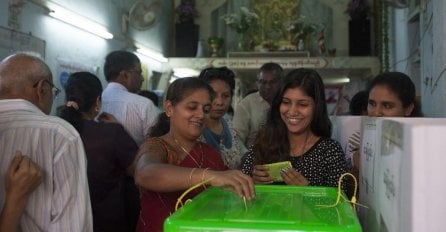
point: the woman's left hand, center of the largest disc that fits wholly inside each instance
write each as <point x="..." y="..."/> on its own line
<point x="293" y="177"/>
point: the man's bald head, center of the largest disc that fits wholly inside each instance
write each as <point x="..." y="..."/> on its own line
<point x="23" y="76"/>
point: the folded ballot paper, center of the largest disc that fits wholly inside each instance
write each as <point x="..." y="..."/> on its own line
<point x="274" y="169"/>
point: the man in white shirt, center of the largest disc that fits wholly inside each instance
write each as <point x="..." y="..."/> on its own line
<point x="250" y="113"/>
<point x="122" y="70"/>
<point x="136" y="113"/>
<point x="62" y="201"/>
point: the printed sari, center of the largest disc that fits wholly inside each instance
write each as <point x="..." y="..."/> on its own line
<point x="157" y="206"/>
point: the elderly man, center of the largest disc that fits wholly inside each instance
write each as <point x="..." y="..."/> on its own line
<point x="61" y="202"/>
<point x="250" y="113"/>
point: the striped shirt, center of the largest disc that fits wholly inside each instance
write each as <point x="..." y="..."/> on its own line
<point x="136" y="113"/>
<point x="62" y="201"/>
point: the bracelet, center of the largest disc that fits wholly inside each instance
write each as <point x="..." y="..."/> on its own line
<point x="190" y="176"/>
<point x="202" y="176"/>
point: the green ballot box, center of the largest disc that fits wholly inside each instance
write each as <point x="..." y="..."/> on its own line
<point x="275" y="208"/>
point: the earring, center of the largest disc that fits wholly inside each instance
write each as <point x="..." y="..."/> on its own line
<point x="96" y="108"/>
<point x="167" y="115"/>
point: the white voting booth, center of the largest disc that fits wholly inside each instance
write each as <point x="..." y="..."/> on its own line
<point x="402" y="173"/>
<point x="347" y="131"/>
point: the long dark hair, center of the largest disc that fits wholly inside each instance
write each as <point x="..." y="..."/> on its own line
<point x="177" y="91"/>
<point x="402" y="86"/>
<point x="83" y="88"/>
<point x="272" y="144"/>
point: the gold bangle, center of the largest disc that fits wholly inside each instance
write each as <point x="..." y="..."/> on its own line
<point x="190" y="176"/>
<point x="202" y="174"/>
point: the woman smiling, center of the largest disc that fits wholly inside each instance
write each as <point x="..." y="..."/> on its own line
<point x="298" y="130"/>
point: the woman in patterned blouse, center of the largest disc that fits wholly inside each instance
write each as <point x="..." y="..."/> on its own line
<point x="298" y="130"/>
<point x="217" y="132"/>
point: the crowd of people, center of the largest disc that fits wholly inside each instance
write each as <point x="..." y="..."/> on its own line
<point x="113" y="161"/>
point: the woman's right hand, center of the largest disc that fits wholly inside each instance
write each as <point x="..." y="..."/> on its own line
<point x="260" y="175"/>
<point x="234" y="180"/>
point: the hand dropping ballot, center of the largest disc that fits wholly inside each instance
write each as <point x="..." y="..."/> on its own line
<point x="274" y="169"/>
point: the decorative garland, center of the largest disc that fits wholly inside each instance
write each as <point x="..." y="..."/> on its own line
<point x="382" y="34"/>
<point x="385" y="28"/>
<point x="377" y="16"/>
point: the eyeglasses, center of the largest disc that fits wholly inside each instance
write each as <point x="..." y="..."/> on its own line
<point x="265" y="82"/>
<point x="55" y="90"/>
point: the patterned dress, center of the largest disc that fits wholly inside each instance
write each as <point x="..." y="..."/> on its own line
<point x="321" y="165"/>
<point x="230" y="148"/>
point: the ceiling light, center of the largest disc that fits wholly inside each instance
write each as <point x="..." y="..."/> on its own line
<point x="185" y="72"/>
<point x="78" y="21"/>
<point x="150" y="53"/>
<point x="340" y="80"/>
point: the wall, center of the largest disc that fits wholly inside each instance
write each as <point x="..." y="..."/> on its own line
<point x="404" y="44"/>
<point x="68" y="45"/>
<point x="433" y="58"/>
<point x="418" y="49"/>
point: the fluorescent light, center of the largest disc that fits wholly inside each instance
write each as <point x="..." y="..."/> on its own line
<point x="340" y="80"/>
<point x="185" y="72"/>
<point x="152" y="54"/>
<point x="76" y="20"/>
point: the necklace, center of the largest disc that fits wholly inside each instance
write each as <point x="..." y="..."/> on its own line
<point x="188" y="154"/>
<point x="303" y="147"/>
